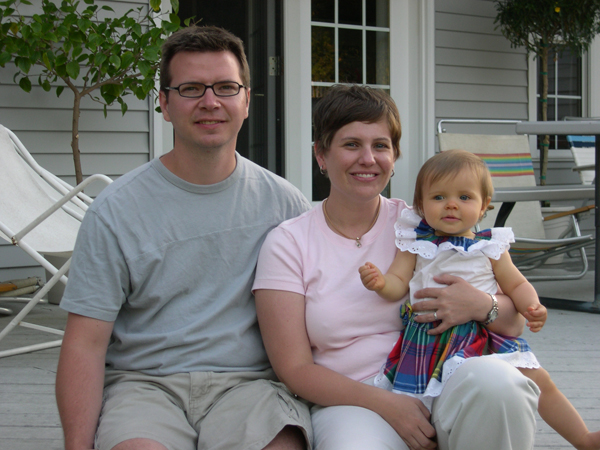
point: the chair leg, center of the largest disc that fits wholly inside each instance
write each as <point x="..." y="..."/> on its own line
<point x="17" y="320"/>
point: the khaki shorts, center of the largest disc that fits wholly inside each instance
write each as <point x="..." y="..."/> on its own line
<point x="200" y="410"/>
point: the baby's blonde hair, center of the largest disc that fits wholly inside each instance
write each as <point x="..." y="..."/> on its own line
<point x="447" y="165"/>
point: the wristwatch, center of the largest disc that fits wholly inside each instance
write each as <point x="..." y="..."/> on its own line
<point x="493" y="314"/>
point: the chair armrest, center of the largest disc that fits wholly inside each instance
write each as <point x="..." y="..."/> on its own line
<point x="569" y="213"/>
<point x="584" y="167"/>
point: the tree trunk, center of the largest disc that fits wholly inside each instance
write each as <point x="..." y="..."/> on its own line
<point x="544" y="100"/>
<point x="75" y="138"/>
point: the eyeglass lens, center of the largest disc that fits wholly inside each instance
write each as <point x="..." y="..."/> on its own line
<point x="196" y="90"/>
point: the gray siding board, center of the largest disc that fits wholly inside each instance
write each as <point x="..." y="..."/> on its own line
<point x="470" y="24"/>
<point x="44" y="142"/>
<point x="15" y="98"/>
<point x="93" y="163"/>
<point x="467" y="92"/>
<point x="466" y="7"/>
<point x="479" y="110"/>
<point x="474" y="75"/>
<point x="472" y="41"/>
<point x="481" y="59"/>
<point x="21" y="119"/>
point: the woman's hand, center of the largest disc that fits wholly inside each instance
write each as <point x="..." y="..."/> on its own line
<point x="410" y="418"/>
<point x="459" y="302"/>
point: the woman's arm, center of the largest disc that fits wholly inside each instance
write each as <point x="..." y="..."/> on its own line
<point x="459" y="302"/>
<point x="283" y="328"/>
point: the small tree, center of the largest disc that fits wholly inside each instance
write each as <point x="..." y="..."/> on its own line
<point x="89" y="49"/>
<point x="545" y="27"/>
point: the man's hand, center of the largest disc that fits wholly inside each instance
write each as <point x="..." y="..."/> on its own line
<point x="536" y="317"/>
<point x="371" y="277"/>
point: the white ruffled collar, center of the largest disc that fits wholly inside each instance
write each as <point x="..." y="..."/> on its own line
<point x="414" y="235"/>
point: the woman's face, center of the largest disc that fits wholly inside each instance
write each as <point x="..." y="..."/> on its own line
<point x="360" y="160"/>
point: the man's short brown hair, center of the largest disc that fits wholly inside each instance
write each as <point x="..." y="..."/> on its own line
<point x="202" y="39"/>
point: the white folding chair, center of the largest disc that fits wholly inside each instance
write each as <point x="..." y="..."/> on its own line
<point x="509" y="160"/>
<point x="41" y="214"/>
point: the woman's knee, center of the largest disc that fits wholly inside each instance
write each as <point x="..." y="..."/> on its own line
<point x="353" y="428"/>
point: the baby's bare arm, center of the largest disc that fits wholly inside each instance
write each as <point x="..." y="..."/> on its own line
<point x="394" y="284"/>
<point x="523" y="294"/>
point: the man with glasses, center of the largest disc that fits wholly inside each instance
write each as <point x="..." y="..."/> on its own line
<point x="162" y="348"/>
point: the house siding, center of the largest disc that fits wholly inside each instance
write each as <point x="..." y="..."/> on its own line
<point x="113" y="145"/>
<point x="478" y="74"/>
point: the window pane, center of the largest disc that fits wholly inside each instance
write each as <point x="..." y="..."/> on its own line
<point x="569" y="81"/>
<point x="323" y="11"/>
<point x="350" y="56"/>
<point x="323" y="54"/>
<point x="378" y="57"/>
<point x="350" y="12"/>
<point x="569" y="107"/>
<point x="378" y="13"/>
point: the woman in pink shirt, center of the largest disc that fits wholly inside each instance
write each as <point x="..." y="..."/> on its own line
<point x="326" y="336"/>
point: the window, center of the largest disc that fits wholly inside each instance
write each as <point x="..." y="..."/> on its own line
<point x="350" y="44"/>
<point x="564" y="91"/>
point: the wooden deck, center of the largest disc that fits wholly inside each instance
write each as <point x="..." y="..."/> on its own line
<point x="567" y="347"/>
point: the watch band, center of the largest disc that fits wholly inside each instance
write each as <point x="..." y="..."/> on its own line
<point x="493" y="314"/>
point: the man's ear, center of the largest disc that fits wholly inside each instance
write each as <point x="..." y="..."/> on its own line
<point x="164" y="105"/>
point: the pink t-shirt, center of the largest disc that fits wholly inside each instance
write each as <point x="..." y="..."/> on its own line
<point x="351" y="329"/>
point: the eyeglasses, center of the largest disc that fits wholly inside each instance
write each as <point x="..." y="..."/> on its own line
<point x="197" y="90"/>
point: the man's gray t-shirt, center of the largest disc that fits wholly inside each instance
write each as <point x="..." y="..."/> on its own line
<point x="172" y="264"/>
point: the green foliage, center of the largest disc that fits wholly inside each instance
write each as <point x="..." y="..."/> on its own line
<point x="554" y="24"/>
<point x="87" y="48"/>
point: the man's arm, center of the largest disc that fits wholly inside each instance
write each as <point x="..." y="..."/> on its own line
<point x="80" y="379"/>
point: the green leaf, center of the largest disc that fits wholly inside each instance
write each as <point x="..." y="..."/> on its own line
<point x="23" y="64"/>
<point x="73" y="69"/>
<point x="99" y="59"/>
<point x="123" y="107"/>
<point x="115" y="61"/>
<point x="59" y="90"/>
<point x="155" y="5"/>
<point x="144" y="67"/>
<point x="25" y="84"/>
<point x="174" y="19"/>
<point x="46" y="61"/>
<point x="46" y="86"/>
<point x="152" y="53"/>
<point x="127" y="59"/>
<point x="175" y="5"/>
<point x="4" y="58"/>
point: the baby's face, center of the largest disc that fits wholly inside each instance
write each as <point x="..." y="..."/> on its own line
<point x="453" y="205"/>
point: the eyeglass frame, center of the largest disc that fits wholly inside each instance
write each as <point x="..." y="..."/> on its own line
<point x="206" y="87"/>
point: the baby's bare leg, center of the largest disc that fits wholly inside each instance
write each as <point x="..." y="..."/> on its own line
<point x="560" y="414"/>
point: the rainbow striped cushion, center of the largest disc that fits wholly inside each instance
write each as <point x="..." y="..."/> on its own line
<point x="508" y="164"/>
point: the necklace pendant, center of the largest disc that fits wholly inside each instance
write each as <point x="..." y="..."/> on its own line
<point x="358" y="244"/>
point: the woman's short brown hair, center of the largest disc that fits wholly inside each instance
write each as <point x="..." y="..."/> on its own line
<point x="202" y="39"/>
<point x="447" y="165"/>
<point x="344" y="104"/>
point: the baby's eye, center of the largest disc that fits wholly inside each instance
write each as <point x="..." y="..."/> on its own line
<point x="464" y="197"/>
<point x="438" y="197"/>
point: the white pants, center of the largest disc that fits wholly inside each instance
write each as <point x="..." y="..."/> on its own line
<point x="486" y="404"/>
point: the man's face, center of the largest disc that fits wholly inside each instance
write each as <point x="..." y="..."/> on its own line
<point x="209" y="123"/>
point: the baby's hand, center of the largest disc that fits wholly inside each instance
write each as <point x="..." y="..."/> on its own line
<point x="536" y="317"/>
<point x="371" y="277"/>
